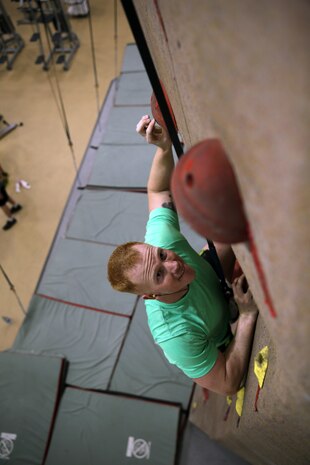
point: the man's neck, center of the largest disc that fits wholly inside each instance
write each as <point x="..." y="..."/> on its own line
<point x="172" y="297"/>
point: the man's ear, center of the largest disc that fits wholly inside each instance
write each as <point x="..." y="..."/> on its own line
<point x="148" y="296"/>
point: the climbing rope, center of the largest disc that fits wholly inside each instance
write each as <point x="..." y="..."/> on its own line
<point x="57" y="94"/>
<point x="12" y="287"/>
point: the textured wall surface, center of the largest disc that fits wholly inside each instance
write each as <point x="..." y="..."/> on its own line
<point x="240" y="71"/>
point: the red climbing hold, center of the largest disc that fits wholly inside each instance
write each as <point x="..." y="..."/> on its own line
<point x="156" y="111"/>
<point x="206" y="194"/>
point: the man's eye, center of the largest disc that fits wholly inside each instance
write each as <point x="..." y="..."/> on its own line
<point x="162" y="255"/>
<point x="159" y="275"/>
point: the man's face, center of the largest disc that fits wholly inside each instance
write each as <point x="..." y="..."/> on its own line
<point x="160" y="271"/>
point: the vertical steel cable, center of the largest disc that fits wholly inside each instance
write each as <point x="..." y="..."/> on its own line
<point x="92" y="44"/>
<point x="116" y="46"/>
<point x="12" y="287"/>
<point x="115" y="38"/>
<point x="59" y="102"/>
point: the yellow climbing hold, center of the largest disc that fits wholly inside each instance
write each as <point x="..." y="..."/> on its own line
<point x="229" y="400"/>
<point x="239" y="401"/>
<point x="260" y="365"/>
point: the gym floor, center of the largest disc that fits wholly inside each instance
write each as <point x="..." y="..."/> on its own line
<point x="38" y="151"/>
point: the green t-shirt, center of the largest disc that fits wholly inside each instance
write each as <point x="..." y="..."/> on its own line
<point x="189" y="330"/>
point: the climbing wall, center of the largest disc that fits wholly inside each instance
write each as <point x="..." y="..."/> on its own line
<point x="239" y="71"/>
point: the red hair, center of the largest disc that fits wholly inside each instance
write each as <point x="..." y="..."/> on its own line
<point x="122" y="260"/>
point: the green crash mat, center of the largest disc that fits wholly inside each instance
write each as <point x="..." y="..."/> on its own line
<point x="132" y="60"/>
<point x="121" y="125"/>
<point x="76" y="272"/>
<point x="30" y="386"/>
<point x="94" y="428"/>
<point x="121" y="166"/>
<point x="133" y="89"/>
<point x="109" y="217"/>
<point x="89" y="340"/>
<point x="143" y="370"/>
<point x="115" y="217"/>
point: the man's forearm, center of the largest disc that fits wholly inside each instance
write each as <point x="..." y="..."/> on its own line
<point x="161" y="171"/>
<point x="238" y="353"/>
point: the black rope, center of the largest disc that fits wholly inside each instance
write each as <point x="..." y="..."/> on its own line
<point x="92" y="44"/>
<point x="217" y="266"/>
<point x="12" y="287"/>
<point x="56" y="99"/>
<point x="151" y="71"/>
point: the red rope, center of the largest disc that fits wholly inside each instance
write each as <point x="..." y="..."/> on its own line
<point x="226" y="414"/>
<point x="256" y="398"/>
<point x="205" y="394"/>
<point x="86" y="307"/>
<point x="261" y="274"/>
<point x="160" y="19"/>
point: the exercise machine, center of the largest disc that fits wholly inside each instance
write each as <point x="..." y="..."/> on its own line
<point x="11" y="42"/>
<point x="60" y="42"/>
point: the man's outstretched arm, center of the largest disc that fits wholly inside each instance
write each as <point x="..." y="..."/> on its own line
<point x="158" y="186"/>
<point x="231" y="366"/>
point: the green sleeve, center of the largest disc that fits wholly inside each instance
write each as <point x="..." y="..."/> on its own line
<point x="163" y="227"/>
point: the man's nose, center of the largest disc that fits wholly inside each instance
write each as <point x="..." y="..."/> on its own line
<point x="171" y="266"/>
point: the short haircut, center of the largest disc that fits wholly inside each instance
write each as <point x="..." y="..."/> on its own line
<point x="123" y="259"/>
